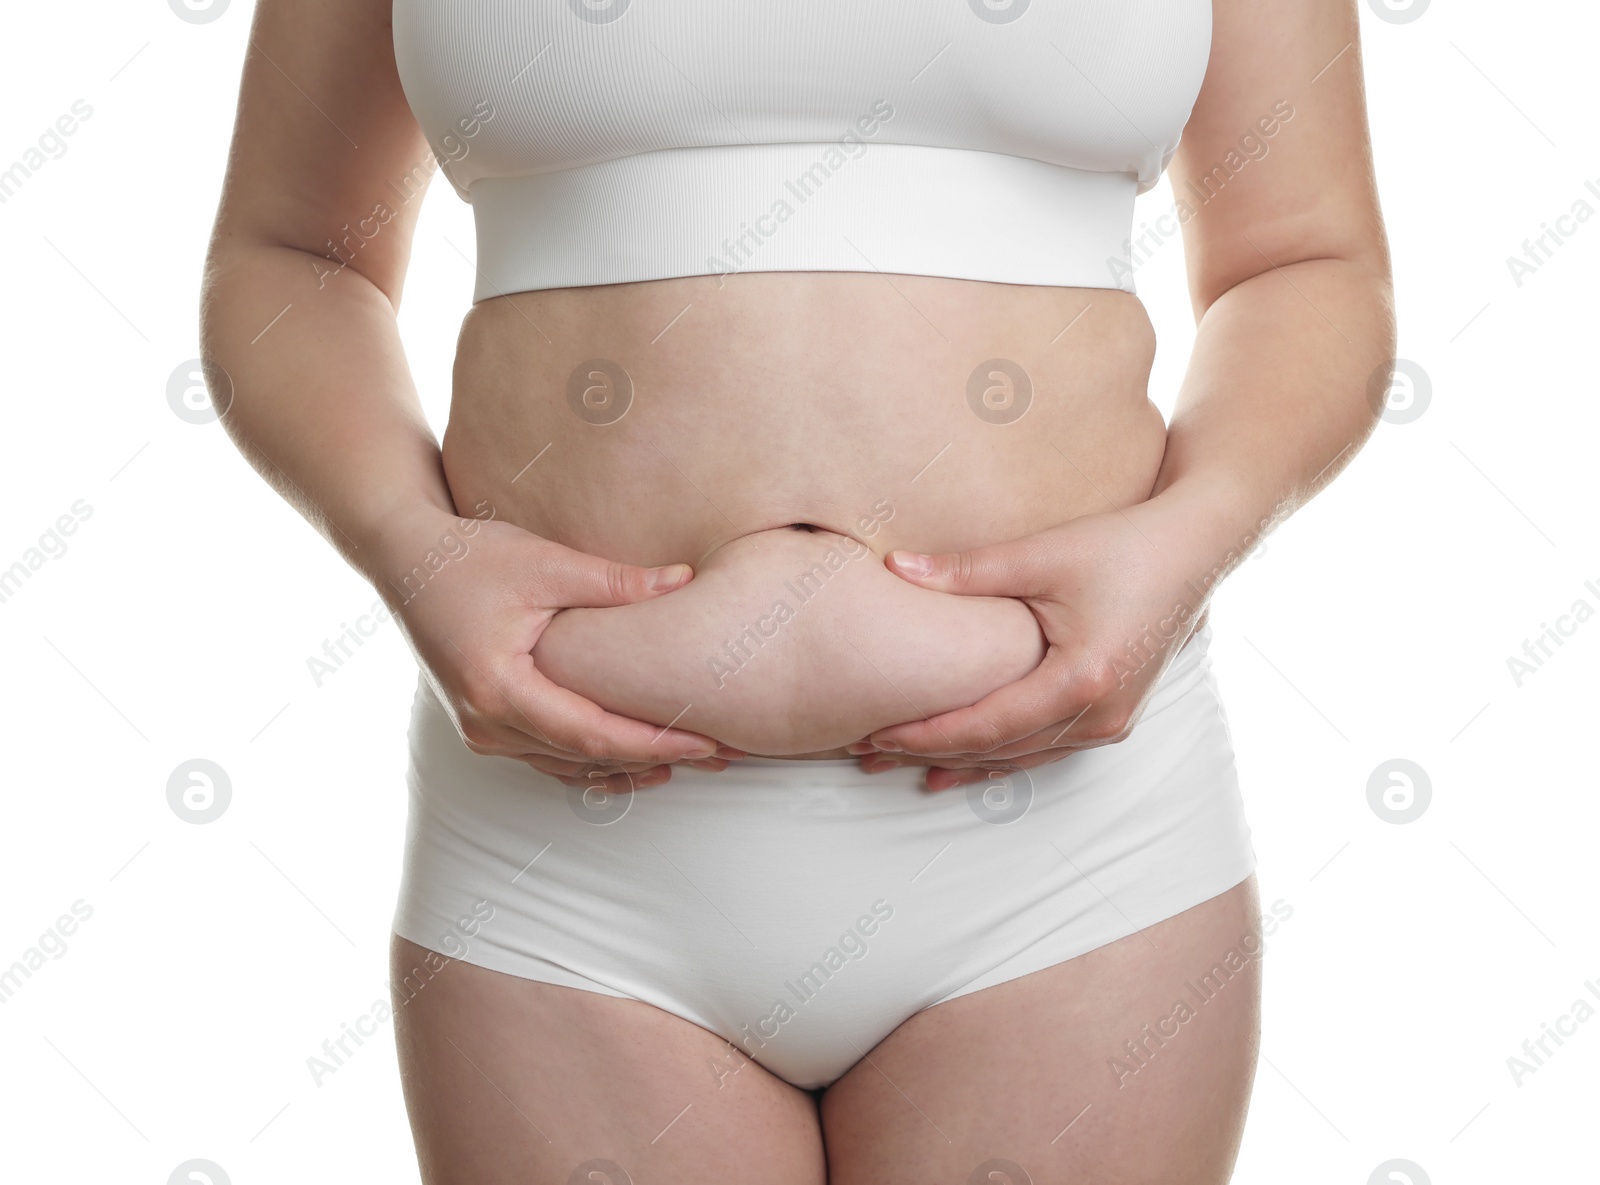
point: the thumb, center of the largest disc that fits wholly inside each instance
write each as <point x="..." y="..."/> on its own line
<point x="1009" y="569"/>
<point x="575" y="579"/>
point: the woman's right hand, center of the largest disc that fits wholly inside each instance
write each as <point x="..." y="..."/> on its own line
<point x="472" y="597"/>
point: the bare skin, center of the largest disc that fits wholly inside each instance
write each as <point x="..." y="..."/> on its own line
<point x="509" y="1080"/>
<point x="850" y="646"/>
<point x="796" y="398"/>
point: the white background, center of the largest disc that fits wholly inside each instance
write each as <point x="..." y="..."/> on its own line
<point x="1376" y="624"/>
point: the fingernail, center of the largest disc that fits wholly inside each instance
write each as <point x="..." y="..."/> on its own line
<point x="662" y="579"/>
<point x="860" y="748"/>
<point x="700" y="754"/>
<point x="887" y="746"/>
<point x="912" y="563"/>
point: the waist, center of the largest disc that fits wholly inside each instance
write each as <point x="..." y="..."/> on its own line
<point x="654" y="422"/>
<point x="830" y="206"/>
<point x="674" y="420"/>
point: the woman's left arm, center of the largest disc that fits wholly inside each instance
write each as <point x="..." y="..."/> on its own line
<point x="1290" y="281"/>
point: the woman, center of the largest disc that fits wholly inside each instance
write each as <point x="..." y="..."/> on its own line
<point x="800" y="454"/>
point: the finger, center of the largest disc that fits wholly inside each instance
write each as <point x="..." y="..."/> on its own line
<point x="561" y="767"/>
<point x="592" y="776"/>
<point x="942" y="778"/>
<point x="1015" y="568"/>
<point x="575" y="726"/>
<point x="569" y="578"/>
<point x="945" y="778"/>
<point x="964" y="762"/>
<point x="621" y="783"/>
<point x="938" y="778"/>
<point x="1087" y="730"/>
<point x="883" y="762"/>
<point x="980" y="766"/>
<point x="1000" y="718"/>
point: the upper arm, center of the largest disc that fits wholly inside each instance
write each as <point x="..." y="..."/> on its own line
<point x="326" y="157"/>
<point x="1275" y="163"/>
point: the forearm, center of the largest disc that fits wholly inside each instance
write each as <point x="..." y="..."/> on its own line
<point x="1276" y="401"/>
<point x="322" y="402"/>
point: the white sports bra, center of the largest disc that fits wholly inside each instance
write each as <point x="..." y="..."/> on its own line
<point x="605" y="141"/>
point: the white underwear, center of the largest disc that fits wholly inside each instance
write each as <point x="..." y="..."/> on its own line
<point x="802" y="910"/>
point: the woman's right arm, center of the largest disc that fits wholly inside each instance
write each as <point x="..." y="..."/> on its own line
<point x="303" y="357"/>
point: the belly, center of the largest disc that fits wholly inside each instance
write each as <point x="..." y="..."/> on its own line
<point x="697" y="421"/>
<point x="791" y="642"/>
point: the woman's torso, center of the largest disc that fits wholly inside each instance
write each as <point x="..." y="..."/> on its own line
<point x="698" y="417"/>
<point x="876" y="408"/>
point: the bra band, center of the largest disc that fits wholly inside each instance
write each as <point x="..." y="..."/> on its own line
<point x="897" y="208"/>
<point x="613" y="141"/>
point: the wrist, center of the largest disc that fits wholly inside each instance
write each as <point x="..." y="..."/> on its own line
<point x="1207" y="527"/>
<point x="404" y="545"/>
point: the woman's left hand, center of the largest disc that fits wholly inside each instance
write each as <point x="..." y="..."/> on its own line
<point x="1117" y="594"/>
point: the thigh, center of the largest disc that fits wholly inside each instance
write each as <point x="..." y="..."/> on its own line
<point x="1130" y="1065"/>
<point x="512" y="1080"/>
